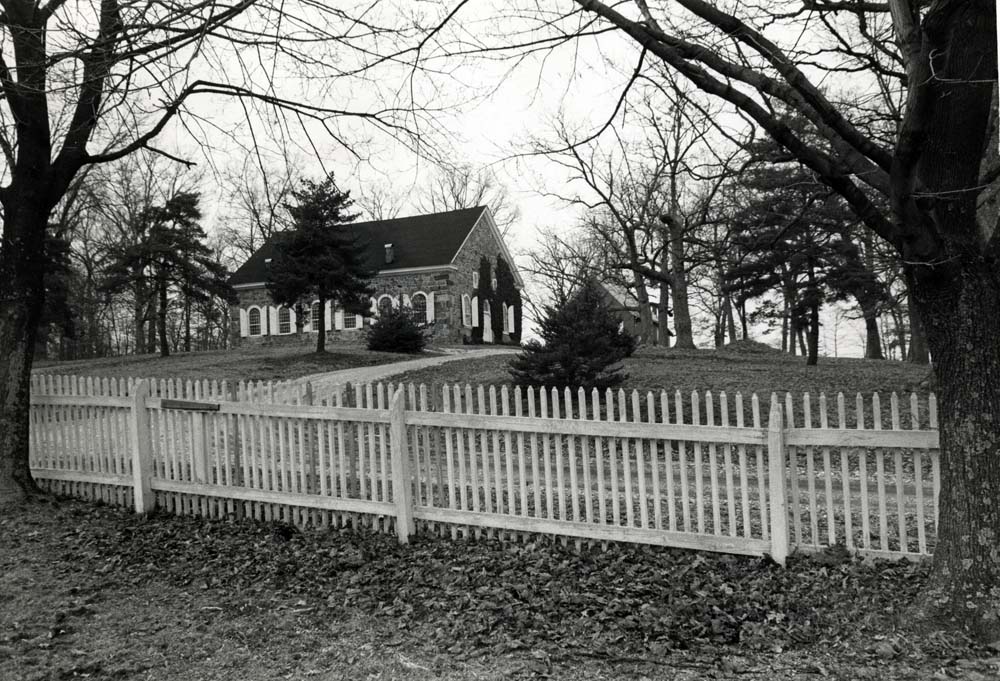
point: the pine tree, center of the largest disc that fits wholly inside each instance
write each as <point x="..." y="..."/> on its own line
<point x="321" y="258"/>
<point x="171" y="257"/>
<point x="396" y="331"/>
<point x="583" y="345"/>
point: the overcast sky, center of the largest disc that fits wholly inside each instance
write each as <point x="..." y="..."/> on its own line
<point x="491" y="111"/>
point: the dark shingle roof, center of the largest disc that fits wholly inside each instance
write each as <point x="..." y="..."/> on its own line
<point x="417" y="241"/>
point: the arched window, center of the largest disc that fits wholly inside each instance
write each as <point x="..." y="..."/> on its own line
<point x="284" y="320"/>
<point x="418" y="303"/>
<point x="466" y="310"/>
<point x="316" y="309"/>
<point x="253" y="316"/>
<point x="384" y="305"/>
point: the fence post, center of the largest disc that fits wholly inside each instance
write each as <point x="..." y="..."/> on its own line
<point x="776" y="461"/>
<point x="199" y="437"/>
<point x="142" y="453"/>
<point x="402" y="486"/>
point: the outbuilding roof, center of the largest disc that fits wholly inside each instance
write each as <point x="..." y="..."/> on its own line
<point x="417" y="241"/>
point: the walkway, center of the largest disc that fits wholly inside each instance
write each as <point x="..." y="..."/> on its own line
<point x="324" y="382"/>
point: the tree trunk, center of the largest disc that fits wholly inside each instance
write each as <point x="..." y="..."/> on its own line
<point x="684" y="335"/>
<point x="730" y="321"/>
<point x="321" y="331"/>
<point x="187" y="325"/>
<point x="648" y="334"/>
<point x="663" y="311"/>
<point x="918" y="351"/>
<point x="963" y="315"/>
<point x="812" y="351"/>
<point x="813" y="357"/>
<point x="21" y="304"/>
<point x="873" y="339"/>
<point x="785" y="327"/>
<point x="139" y="313"/>
<point x="152" y="334"/>
<point x="161" y="316"/>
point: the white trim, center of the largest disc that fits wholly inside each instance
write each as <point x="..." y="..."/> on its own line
<point x="499" y="238"/>
<point x="261" y="321"/>
<point x="475" y="312"/>
<point x="378" y="303"/>
<point x="411" y="270"/>
<point x="272" y="316"/>
<point x="277" y="320"/>
<point x="430" y="307"/>
<point x="244" y="323"/>
<point x="510" y="319"/>
<point x="328" y="319"/>
<point x="338" y="319"/>
<point x="252" y="284"/>
<point x="472" y="229"/>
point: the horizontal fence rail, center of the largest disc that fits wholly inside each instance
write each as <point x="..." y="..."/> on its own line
<point x="703" y="471"/>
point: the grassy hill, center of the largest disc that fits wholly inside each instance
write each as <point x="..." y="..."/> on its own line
<point x="256" y="363"/>
<point x="743" y="367"/>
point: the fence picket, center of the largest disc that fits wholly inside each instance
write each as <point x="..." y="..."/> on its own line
<point x="682" y="465"/>
<point x="883" y="524"/>
<point x="713" y="465"/>
<point x="654" y="463"/>
<point x="269" y="460"/>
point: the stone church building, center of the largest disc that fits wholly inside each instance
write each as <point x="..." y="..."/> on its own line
<point x="427" y="263"/>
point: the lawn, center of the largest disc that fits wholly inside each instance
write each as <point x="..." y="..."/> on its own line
<point x="90" y="591"/>
<point x="269" y="363"/>
<point x="746" y="368"/>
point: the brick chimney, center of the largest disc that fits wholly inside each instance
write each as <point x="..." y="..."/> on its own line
<point x="389" y="256"/>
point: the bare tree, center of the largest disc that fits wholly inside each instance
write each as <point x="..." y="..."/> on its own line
<point x="70" y="73"/>
<point x="923" y="144"/>
<point x="462" y="186"/>
<point x="257" y="196"/>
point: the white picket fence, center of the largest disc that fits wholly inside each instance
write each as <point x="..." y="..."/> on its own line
<point x="701" y="471"/>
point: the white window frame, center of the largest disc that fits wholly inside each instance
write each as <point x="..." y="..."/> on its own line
<point x="260" y="321"/>
<point x="312" y="315"/>
<point x="427" y="302"/>
<point x="475" y="280"/>
<point x="466" y="310"/>
<point x="378" y="303"/>
<point x="353" y="318"/>
<point x="284" y="308"/>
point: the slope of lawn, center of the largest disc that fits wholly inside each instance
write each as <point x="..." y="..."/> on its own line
<point x="746" y="367"/>
<point x="268" y="363"/>
<point x="95" y="592"/>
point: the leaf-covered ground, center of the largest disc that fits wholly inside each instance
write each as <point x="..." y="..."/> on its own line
<point x="97" y="592"/>
<point x="258" y="363"/>
<point x="745" y="368"/>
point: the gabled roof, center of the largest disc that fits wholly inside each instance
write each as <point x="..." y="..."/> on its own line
<point x="627" y="297"/>
<point x="417" y="241"/>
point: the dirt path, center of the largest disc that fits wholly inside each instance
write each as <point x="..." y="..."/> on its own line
<point x="324" y="382"/>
